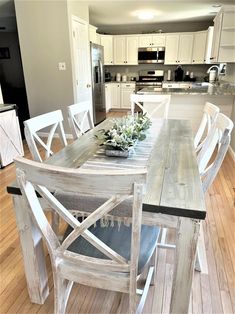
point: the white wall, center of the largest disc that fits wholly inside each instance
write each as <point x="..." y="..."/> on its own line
<point x="44" y="35"/>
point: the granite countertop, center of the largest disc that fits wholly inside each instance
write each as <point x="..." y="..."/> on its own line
<point x="212" y="90"/>
<point x="127" y="82"/>
<point x="6" y="107"/>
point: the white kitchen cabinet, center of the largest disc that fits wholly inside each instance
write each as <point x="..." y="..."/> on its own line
<point x="126" y="90"/>
<point x="179" y="48"/>
<point x="107" y="42"/>
<point x="125" y="50"/>
<point x="117" y="95"/>
<point x="10" y="137"/>
<point x="209" y="39"/>
<point x="92" y="34"/>
<point x="108" y="97"/>
<point x="223" y="47"/>
<point x="199" y="47"/>
<point x="157" y="40"/>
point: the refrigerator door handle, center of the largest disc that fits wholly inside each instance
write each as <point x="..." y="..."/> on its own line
<point x="101" y="71"/>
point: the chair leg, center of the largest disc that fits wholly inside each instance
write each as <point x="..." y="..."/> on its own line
<point x="132" y="303"/>
<point x="154" y="264"/>
<point x="62" y="289"/>
<point x="201" y="260"/>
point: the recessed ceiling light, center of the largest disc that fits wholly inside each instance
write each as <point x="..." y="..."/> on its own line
<point x="216" y="5"/>
<point x="214" y="13"/>
<point x="145" y="15"/>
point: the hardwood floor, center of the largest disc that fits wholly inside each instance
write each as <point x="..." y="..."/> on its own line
<point x="212" y="293"/>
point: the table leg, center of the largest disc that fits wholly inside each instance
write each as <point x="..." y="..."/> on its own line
<point x="186" y="248"/>
<point x="33" y="254"/>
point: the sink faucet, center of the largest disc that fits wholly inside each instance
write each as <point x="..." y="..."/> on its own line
<point x="213" y="76"/>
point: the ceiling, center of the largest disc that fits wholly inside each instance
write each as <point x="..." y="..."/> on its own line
<point x="122" y="12"/>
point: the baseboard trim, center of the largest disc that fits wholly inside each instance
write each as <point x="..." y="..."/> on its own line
<point x="56" y="135"/>
<point x="232" y="153"/>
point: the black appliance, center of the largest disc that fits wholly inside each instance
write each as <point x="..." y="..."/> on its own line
<point x="151" y="55"/>
<point x="107" y="77"/>
<point x="179" y="73"/>
<point x="151" y="78"/>
<point x="98" y="88"/>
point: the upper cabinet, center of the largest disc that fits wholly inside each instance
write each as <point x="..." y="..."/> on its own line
<point x="125" y="50"/>
<point x="157" y="40"/>
<point x="107" y="42"/>
<point x="179" y="48"/>
<point x="223" y="47"/>
<point x="199" y="47"/>
<point x="94" y="37"/>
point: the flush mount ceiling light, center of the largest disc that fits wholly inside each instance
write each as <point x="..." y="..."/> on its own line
<point x="216" y="5"/>
<point x="145" y="15"/>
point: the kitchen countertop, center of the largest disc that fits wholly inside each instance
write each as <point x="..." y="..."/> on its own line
<point x="127" y="82"/>
<point x="212" y="90"/>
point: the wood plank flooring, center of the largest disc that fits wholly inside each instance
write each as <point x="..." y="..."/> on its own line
<point x="212" y="293"/>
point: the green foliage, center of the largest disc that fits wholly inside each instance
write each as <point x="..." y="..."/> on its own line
<point x="125" y="132"/>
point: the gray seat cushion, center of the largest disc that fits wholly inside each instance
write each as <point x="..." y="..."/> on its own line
<point x="119" y="239"/>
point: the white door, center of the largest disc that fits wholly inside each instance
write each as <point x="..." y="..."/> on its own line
<point x="126" y="91"/>
<point x="119" y="51"/>
<point x="185" y="49"/>
<point x="115" y="95"/>
<point x="132" y="50"/>
<point x="159" y="40"/>
<point x="171" y="54"/>
<point x="107" y="42"/>
<point x="199" y="47"/>
<point x="145" y="41"/>
<point x="82" y="64"/>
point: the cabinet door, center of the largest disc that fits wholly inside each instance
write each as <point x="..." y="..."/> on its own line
<point x="199" y="47"/>
<point x="132" y="50"/>
<point x="145" y="41"/>
<point x="107" y="42"/>
<point x="159" y="40"/>
<point x="92" y="34"/>
<point x="119" y="47"/>
<point x="216" y="37"/>
<point x="126" y="91"/>
<point x="185" y="49"/>
<point x="108" y="99"/>
<point x="115" y="95"/>
<point x="171" y="53"/>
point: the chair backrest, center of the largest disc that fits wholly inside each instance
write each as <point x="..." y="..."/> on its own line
<point x="114" y="186"/>
<point x="80" y="118"/>
<point x="210" y="112"/>
<point x="154" y="106"/>
<point x="53" y="120"/>
<point x="214" y="149"/>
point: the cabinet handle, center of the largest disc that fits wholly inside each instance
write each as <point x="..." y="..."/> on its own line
<point x="193" y="60"/>
<point x="212" y="58"/>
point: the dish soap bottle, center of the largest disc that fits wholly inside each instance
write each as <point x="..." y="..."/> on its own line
<point x="179" y="73"/>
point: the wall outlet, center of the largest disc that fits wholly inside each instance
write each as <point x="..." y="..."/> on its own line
<point x="62" y="66"/>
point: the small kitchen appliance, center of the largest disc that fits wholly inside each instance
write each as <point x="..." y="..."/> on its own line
<point x="151" y="55"/>
<point x="179" y="73"/>
<point x="118" y="77"/>
<point x="107" y="76"/>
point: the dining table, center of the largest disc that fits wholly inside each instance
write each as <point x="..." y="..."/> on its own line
<point x="173" y="199"/>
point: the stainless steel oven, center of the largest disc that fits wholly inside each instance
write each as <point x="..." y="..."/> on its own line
<point x="151" y="55"/>
<point x="151" y="78"/>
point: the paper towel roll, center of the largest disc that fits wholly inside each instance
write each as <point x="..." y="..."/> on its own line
<point x="168" y="75"/>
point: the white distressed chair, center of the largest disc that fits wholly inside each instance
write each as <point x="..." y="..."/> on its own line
<point x="100" y="257"/>
<point x="154" y="106"/>
<point x="210" y="159"/>
<point x="53" y="120"/>
<point x="79" y="117"/>
<point x="210" y="112"/>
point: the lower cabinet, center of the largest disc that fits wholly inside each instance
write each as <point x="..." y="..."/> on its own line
<point x="126" y="91"/>
<point x="117" y="95"/>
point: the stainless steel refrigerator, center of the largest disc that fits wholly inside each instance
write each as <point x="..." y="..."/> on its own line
<point x="98" y="88"/>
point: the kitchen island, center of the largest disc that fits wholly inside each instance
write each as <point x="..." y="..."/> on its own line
<point x="188" y="103"/>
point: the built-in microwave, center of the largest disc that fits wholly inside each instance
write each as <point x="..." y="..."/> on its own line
<point x="151" y="55"/>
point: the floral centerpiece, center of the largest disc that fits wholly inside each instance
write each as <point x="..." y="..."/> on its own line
<point x="123" y="136"/>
